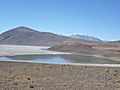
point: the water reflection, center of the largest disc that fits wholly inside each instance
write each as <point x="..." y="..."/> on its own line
<point x="88" y="59"/>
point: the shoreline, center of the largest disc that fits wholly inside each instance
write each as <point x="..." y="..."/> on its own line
<point x="74" y="64"/>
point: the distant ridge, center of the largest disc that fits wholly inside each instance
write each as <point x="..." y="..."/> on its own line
<point x="84" y="37"/>
<point x="26" y="36"/>
<point x="117" y="41"/>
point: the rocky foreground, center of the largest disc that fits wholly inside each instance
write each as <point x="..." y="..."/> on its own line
<point x="43" y="76"/>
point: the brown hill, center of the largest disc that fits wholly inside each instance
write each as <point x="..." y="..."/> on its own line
<point x="106" y="49"/>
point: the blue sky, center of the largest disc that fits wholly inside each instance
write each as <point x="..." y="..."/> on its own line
<point x="99" y="18"/>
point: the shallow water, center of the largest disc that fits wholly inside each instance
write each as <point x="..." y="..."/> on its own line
<point x="61" y="59"/>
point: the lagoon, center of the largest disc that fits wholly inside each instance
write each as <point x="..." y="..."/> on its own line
<point x="70" y="58"/>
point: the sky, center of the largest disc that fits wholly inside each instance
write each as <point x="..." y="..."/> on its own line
<point x="99" y="18"/>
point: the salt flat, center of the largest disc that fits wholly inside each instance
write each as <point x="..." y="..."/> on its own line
<point x="10" y="50"/>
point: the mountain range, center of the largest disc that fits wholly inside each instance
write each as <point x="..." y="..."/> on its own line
<point x="27" y="36"/>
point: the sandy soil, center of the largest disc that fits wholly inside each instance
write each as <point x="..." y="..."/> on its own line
<point x="10" y="50"/>
<point x="43" y="76"/>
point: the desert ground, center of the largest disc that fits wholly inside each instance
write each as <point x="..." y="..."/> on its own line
<point x="44" y="76"/>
